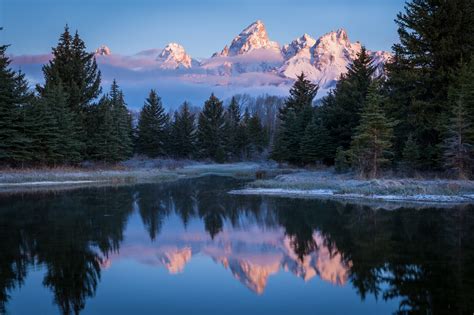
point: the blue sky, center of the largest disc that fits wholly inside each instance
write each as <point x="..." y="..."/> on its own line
<point x="202" y="27"/>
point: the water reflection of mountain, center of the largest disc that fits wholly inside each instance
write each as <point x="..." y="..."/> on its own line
<point x="251" y="256"/>
<point x="425" y="257"/>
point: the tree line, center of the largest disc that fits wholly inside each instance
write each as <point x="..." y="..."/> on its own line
<point x="68" y="120"/>
<point x="416" y="117"/>
<point x="218" y="133"/>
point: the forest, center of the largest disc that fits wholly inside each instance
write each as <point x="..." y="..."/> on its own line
<point x="416" y="118"/>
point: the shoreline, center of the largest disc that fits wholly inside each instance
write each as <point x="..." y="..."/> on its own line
<point x="329" y="194"/>
<point x="130" y="173"/>
<point x="279" y="182"/>
<point x="325" y="184"/>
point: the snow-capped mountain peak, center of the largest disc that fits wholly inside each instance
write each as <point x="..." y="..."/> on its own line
<point x="103" y="51"/>
<point x="252" y="37"/>
<point x="252" y="59"/>
<point x="174" y="56"/>
<point x="297" y="45"/>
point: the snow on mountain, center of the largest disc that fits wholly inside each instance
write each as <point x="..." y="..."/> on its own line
<point x="298" y="58"/>
<point x="301" y="45"/>
<point x="252" y="60"/>
<point x="253" y="37"/>
<point x="327" y="59"/>
<point x="173" y="56"/>
<point x="103" y="51"/>
<point x="250" y="52"/>
<point x="322" y="60"/>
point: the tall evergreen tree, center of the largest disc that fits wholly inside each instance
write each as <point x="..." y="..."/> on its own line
<point x="459" y="129"/>
<point x="371" y="145"/>
<point x="257" y="136"/>
<point x="410" y="156"/>
<point x="122" y="122"/>
<point x="211" y="130"/>
<point x="316" y="145"/>
<point x="184" y="132"/>
<point x="104" y="141"/>
<point x="295" y="115"/>
<point x="151" y="130"/>
<point x="14" y="100"/>
<point x="55" y="128"/>
<point x="341" y="109"/>
<point x="459" y="142"/>
<point x="232" y="126"/>
<point x="435" y="36"/>
<point x="76" y="70"/>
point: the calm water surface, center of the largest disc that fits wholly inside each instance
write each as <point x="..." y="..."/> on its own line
<point x="188" y="247"/>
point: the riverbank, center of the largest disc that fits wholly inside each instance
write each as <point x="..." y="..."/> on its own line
<point x="327" y="184"/>
<point x="130" y="172"/>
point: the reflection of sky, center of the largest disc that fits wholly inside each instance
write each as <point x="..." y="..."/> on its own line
<point x="139" y="279"/>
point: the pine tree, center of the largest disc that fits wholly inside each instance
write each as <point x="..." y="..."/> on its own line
<point x="410" y="155"/>
<point x="151" y="130"/>
<point x="257" y="136"/>
<point x="295" y="115"/>
<point x="14" y="100"/>
<point x="316" y="145"/>
<point x="459" y="142"/>
<point x="55" y="128"/>
<point x="341" y="161"/>
<point x="459" y="130"/>
<point x="232" y="126"/>
<point x="104" y="142"/>
<point x="341" y="109"/>
<point x="76" y="70"/>
<point x="372" y="141"/>
<point x="45" y="133"/>
<point x="287" y="144"/>
<point x="211" y="130"/>
<point x="435" y="36"/>
<point x="243" y="139"/>
<point x="184" y="132"/>
<point x="122" y="122"/>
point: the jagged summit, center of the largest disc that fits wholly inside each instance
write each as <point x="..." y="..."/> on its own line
<point x="174" y="56"/>
<point x="103" y="51"/>
<point x="252" y="37"/>
<point x="253" y="59"/>
<point x="297" y="45"/>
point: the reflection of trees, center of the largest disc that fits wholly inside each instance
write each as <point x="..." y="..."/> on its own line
<point x="424" y="258"/>
<point x="421" y="257"/>
<point x="154" y="206"/>
<point x="13" y="260"/>
<point x="73" y="277"/>
<point x="61" y="232"/>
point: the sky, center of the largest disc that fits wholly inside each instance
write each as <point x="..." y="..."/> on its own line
<point x="201" y="26"/>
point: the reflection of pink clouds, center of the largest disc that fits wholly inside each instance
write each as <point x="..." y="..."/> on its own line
<point x="252" y="255"/>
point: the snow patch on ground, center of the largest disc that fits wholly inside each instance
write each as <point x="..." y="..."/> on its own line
<point x="315" y="193"/>
<point x="49" y="183"/>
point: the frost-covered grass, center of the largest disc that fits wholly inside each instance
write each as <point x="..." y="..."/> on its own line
<point x="326" y="183"/>
<point x="133" y="171"/>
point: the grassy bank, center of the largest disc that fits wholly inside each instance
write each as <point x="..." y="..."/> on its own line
<point x="327" y="184"/>
<point x="129" y="172"/>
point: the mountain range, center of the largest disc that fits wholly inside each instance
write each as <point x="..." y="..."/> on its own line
<point x="252" y="53"/>
<point x="252" y="63"/>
